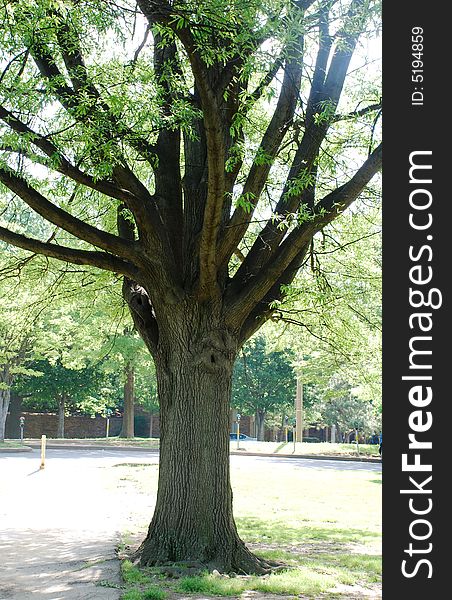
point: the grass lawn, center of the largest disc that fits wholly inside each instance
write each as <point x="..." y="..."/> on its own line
<point x="324" y="524"/>
<point x="305" y="448"/>
<point x="7" y="444"/>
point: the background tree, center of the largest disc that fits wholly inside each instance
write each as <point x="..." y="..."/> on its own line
<point x="54" y="387"/>
<point x="263" y="382"/>
<point x="124" y="355"/>
<point x="340" y="407"/>
<point x="15" y="342"/>
<point x="19" y="314"/>
<point x="153" y="164"/>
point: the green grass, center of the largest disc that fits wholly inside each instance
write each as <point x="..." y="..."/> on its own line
<point x="133" y="594"/>
<point x="141" y="584"/>
<point x="324" y="524"/>
<point x="132" y="574"/>
<point x="255" y="530"/>
<point x="302" y="580"/>
<point x="151" y="593"/>
<point x="11" y="444"/>
<point x="304" y="448"/>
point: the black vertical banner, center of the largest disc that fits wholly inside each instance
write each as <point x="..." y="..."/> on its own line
<point x="417" y="333"/>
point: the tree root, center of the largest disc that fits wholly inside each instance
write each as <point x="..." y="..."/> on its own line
<point x="237" y="560"/>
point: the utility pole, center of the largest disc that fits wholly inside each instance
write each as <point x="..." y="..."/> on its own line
<point x="299" y="410"/>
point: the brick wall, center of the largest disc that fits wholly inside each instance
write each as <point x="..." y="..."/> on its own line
<point x="38" y="424"/>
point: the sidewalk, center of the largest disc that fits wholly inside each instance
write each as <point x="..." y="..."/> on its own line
<point x="59" y="528"/>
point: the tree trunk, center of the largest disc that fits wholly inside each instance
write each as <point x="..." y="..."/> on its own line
<point x="151" y="423"/>
<point x="5" y="397"/>
<point x="128" y="429"/>
<point x="260" y="425"/>
<point x="4" y="405"/>
<point x="193" y="518"/>
<point x="61" y="408"/>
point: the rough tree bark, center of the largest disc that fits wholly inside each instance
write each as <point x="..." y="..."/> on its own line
<point x="193" y="518"/>
<point x="128" y="427"/>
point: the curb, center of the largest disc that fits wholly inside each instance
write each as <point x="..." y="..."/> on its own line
<point x="312" y="456"/>
<point x="10" y="450"/>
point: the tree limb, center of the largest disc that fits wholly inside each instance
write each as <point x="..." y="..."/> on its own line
<point x="61" y="218"/>
<point x="358" y="113"/>
<point x="270" y="144"/>
<point x="60" y="163"/>
<point x="329" y="208"/>
<point x="161" y="12"/>
<point x="326" y="89"/>
<point x="101" y="260"/>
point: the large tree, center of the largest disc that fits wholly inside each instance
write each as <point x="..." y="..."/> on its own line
<point x="155" y="159"/>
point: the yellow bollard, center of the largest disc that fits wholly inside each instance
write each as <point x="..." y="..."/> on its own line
<point x="43" y="451"/>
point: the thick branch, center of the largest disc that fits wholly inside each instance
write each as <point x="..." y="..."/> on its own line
<point x="61" y="218"/>
<point x="324" y="98"/>
<point x="263" y="309"/>
<point x="71" y="52"/>
<point x="328" y="209"/>
<point x="318" y="78"/>
<point x="270" y="144"/>
<point x="216" y="152"/>
<point x="60" y="163"/>
<point x="101" y="260"/>
<point x="168" y="186"/>
<point x="140" y="201"/>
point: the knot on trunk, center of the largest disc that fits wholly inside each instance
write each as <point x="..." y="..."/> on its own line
<point x="216" y="350"/>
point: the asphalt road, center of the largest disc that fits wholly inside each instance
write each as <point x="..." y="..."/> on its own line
<point x="29" y="460"/>
<point x="59" y="526"/>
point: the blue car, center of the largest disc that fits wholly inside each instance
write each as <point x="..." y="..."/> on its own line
<point x="242" y="436"/>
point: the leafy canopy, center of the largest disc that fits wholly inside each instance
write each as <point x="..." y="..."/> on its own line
<point x="162" y="140"/>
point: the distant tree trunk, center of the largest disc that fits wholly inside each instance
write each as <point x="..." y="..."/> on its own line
<point x="61" y="408"/>
<point x="151" y="423"/>
<point x="4" y="405"/>
<point x="260" y="425"/>
<point x="5" y="397"/>
<point x="128" y="430"/>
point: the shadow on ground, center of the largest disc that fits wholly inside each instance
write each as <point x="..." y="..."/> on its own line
<point x="54" y="565"/>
